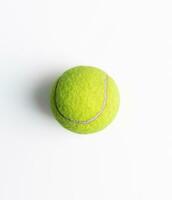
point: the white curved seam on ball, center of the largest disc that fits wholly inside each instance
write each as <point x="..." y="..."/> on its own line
<point x="93" y="118"/>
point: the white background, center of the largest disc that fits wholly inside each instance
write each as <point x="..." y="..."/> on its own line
<point x="132" y="158"/>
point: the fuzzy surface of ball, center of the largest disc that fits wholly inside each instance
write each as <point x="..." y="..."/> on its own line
<point x="85" y="99"/>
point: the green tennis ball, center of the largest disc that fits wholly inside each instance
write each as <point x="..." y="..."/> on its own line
<point x="85" y="99"/>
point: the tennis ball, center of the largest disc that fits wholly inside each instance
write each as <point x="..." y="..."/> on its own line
<point x="84" y="99"/>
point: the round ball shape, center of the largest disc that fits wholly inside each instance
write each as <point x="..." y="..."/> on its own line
<point x="84" y="99"/>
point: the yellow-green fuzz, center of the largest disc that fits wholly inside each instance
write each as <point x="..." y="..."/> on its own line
<point x="84" y="99"/>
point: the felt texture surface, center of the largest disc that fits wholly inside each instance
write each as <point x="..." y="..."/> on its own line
<point x="84" y="99"/>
